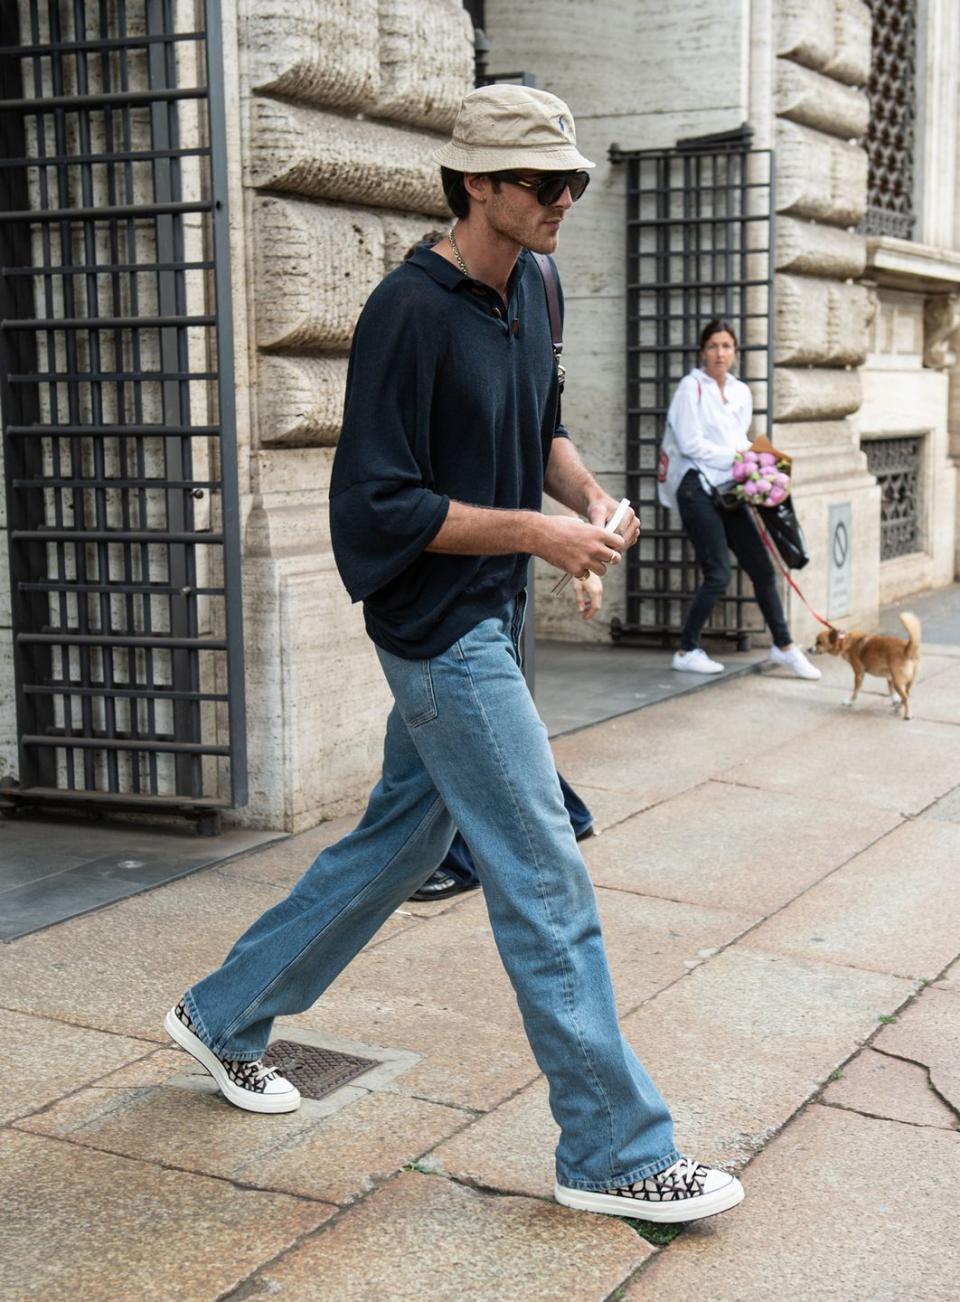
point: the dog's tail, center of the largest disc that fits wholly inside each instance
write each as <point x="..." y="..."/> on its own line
<point x="913" y="626"/>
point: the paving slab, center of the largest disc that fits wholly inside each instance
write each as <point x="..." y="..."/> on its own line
<point x="137" y="956"/>
<point x="733" y="847"/>
<point x="746" y="1038"/>
<point x="654" y="754"/>
<point x="53" y="1059"/>
<point x="440" y="989"/>
<point x="423" y="1237"/>
<point x="950" y="979"/>
<point x="735" y="1049"/>
<point x="839" y="1208"/>
<point x="609" y="807"/>
<point x="333" y="1158"/>
<point x="946" y="809"/>
<point x="510" y="1149"/>
<point x="928" y="1032"/>
<point x="894" y="908"/>
<point x="937" y="696"/>
<point x="284" y="863"/>
<point x="59" y="867"/>
<point x="883" y="1086"/>
<point x="468" y="1060"/>
<point x="934" y="695"/>
<point x="93" y="1225"/>
<point x="864" y="757"/>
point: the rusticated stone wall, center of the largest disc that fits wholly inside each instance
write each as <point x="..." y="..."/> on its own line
<point x="343" y="102"/>
<point x="821" y="62"/>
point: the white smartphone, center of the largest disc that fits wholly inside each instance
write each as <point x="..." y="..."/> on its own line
<point x="612" y="524"/>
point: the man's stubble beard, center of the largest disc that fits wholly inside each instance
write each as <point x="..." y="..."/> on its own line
<point x="530" y="235"/>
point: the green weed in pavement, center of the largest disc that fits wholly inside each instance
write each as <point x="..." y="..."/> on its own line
<point x="658" y="1235"/>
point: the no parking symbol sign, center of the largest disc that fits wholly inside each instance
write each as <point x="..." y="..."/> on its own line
<point x="838" y="560"/>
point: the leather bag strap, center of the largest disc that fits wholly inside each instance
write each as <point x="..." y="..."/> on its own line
<point x="551" y="287"/>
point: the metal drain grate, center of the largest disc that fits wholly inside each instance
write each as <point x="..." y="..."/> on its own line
<point x="315" y="1072"/>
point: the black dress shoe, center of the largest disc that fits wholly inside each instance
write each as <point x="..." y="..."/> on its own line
<point x="440" y="885"/>
<point x="587" y="831"/>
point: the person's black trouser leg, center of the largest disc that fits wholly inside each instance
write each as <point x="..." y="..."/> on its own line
<point x="714" y="534"/>
<point x="747" y="545"/>
<point x="704" y="528"/>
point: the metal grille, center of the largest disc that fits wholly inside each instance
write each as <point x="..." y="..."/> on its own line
<point x="117" y="392"/>
<point x="315" y="1072"/>
<point x="699" y="245"/>
<point x="896" y="464"/>
<point x="893" y="110"/>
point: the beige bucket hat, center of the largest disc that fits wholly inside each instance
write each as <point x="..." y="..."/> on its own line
<point x="506" y="126"/>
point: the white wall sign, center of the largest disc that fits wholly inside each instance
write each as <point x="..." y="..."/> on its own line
<point x="838" y="560"/>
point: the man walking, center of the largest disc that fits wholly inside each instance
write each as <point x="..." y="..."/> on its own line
<point x="451" y="432"/>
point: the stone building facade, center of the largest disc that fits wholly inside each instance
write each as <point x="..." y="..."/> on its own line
<point x="863" y="319"/>
<point x="334" y="109"/>
<point x="341" y="103"/>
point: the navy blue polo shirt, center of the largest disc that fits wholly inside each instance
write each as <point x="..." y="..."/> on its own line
<point x="450" y="394"/>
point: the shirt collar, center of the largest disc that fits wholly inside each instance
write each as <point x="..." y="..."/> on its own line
<point x="704" y="378"/>
<point x="451" y="277"/>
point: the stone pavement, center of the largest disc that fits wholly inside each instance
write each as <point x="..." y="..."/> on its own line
<point x="778" y="881"/>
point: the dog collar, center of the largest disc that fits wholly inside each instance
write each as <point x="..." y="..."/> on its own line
<point x="841" y="638"/>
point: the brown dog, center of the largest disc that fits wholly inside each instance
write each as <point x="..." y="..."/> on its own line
<point x="884" y="657"/>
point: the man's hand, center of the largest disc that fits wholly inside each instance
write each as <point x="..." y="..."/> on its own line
<point x="589" y="595"/>
<point x="576" y="547"/>
<point x="601" y="510"/>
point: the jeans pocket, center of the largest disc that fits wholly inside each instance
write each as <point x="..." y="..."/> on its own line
<point x="417" y="702"/>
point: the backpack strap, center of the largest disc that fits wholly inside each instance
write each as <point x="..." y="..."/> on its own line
<point x="551" y="286"/>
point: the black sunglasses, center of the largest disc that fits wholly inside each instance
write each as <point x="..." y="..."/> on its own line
<point x="550" y="188"/>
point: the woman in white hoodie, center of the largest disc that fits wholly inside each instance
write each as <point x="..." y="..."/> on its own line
<point x="707" y="424"/>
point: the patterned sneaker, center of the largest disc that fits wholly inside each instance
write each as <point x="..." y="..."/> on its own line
<point x="250" y="1085"/>
<point x="686" y="1191"/>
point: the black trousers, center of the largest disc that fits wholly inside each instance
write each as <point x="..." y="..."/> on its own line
<point x="714" y="534"/>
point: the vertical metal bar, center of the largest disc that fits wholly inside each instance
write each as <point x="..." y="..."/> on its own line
<point x="771" y="282"/>
<point x="22" y="457"/>
<point x="176" y="463"/>
<point x="230" y="495"/>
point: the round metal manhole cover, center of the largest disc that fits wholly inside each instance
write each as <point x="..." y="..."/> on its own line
<point x="315" y="1072"/>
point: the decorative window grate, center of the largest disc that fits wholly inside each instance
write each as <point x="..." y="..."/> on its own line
<point x="117" y="397"/>
<point x="700" y="244"/>
<point x="893" y="106"/>
<point x="896" y="465"/>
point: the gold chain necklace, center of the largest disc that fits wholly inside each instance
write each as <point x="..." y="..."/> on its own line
<point x="456" y="252"/>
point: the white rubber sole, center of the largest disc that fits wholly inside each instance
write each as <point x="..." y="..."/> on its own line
<point x="288" y="1101"/>
<point x="685" y="1209"/>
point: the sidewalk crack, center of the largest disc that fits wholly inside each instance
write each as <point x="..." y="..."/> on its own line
<point x="879" y="1116"/>
<point x="901" y="1057"/>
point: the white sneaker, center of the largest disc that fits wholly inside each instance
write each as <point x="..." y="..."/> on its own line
<point x="250" y="1085"/>
<point x="686" y="1191"/>
<point x="696" y="662"/>
<point x="795" y="661"/>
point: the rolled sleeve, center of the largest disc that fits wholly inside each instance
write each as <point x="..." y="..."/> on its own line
<point x="383" y="511"/>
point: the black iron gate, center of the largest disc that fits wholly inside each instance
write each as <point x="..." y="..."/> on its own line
<point x="700" y="240"/>
<point x="117" y="392"/>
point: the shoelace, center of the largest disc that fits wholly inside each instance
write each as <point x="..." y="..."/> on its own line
<point x="684" y="1171"/>
<point x="258" y="1070"/>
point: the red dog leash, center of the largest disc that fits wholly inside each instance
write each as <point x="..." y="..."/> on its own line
<point x="789" y="578"/>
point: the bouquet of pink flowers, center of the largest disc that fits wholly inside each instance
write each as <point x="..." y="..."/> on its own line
<point x="761" y="477"/>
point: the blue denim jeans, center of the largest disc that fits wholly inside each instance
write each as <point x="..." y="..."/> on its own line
<point x="465" y="748"/>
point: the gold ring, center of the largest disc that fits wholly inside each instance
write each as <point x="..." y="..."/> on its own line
<point x="584" y="576"/>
